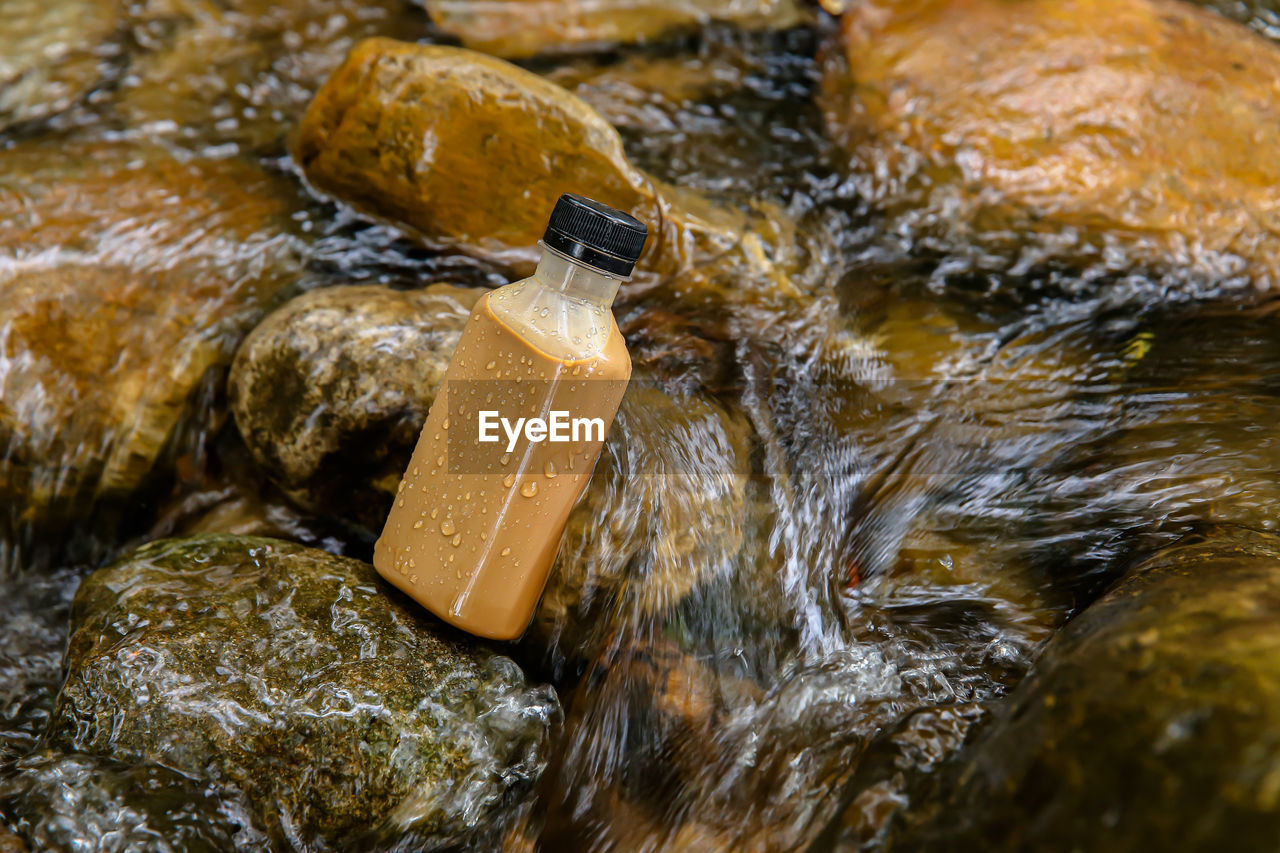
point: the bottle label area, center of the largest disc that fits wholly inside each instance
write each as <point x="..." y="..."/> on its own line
<point x="493" y="424"/>
<point x="561" y="427"/>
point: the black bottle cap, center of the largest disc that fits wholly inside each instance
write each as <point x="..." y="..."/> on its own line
<point x="596" y="235"/>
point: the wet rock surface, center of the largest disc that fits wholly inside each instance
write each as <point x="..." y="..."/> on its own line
<point x="129" y="276"/>
<point x="1091" y="133"/>
<point x="515" y="28"/>
<point x="343" y="371"/>
<point x="1147" y="722"/>
<point x="664" y="514"/>
<point x="296" y="678"/>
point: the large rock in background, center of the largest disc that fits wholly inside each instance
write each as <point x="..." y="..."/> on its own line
<point x="1118" y="134"/>
<point x="331" y="391"/>
<point x="128" y="276"/>
<point x="1148" y="723"/>
<point x="299" y="679"/>
<point x="53" y="54"/>
<point x="516" y="28"/>
<point x="471" y="153"/>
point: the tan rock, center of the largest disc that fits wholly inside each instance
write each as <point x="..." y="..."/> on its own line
<point x="470" y="153"/>
<point x="517" y="28"/>
<point x="1125" y="133"/>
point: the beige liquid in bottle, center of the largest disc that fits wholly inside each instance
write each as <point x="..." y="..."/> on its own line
<point x="476" y="525"/>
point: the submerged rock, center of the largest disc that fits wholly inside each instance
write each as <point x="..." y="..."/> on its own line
<point x="1148" y="723"/>
<point x="331" y="391"/>
<point x="471" y="153"/>
<point x="65" y="803"/>
<point x="1117" y="134"/>
<point x="52" y="54"/>
<point x="299" y="679"/>
<point x="517" y="28"/>
<point x="127" y="275"/>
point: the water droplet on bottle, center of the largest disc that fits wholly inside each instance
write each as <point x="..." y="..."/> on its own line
<point x="549" y="469"/>
<point x="506" y="552"/>
<point x="491" y="365"/>
<point x="417" y="525"/>
<point x="457" y="539"/>
<point x="435" y="512"/>
<point x="445" y="425"/>
<point x="529" y="489"/>
<point x="446" y="527"/>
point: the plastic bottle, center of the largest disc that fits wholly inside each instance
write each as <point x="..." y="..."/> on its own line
<point x="515" y="431"/>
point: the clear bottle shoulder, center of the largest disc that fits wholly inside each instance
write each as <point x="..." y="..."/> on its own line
<point x="565" y="327"/>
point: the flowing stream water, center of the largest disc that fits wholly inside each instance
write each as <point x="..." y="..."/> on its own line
<point x="889" y="501"/>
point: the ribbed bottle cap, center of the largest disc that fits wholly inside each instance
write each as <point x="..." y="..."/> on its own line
<point x="595" y="235"/>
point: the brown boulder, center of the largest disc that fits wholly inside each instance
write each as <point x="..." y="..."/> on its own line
<point x="1148" y="723"/>
<point x="1119" y="132"/>
<point x="470" y="153"/>
<point x="127" y="275"/>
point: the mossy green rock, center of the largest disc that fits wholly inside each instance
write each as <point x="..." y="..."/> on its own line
<point x="299" y="679"/>
<point x="1151" y="722"/>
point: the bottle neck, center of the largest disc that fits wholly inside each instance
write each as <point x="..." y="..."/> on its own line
<point x="577" y="281"/>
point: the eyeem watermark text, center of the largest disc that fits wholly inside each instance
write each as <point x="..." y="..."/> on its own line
<point x="559" y="427"/>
